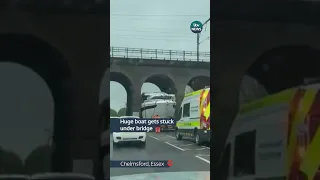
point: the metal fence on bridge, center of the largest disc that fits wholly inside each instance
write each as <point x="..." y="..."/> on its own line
<point x="160" y="54"/>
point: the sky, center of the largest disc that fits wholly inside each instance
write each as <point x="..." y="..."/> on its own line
<point x="26" y="109"/>
<point x="154" y="24"/>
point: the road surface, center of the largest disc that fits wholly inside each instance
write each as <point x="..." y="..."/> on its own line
<point x="185" y="155"/>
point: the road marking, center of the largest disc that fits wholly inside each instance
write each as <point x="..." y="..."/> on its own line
<point x="201" y="149"/>
<point x="187" y="144"/>
<point x="170" y="136"/>
<point x="203" y="159"/>
<point x="205" y="147"/>
<point x="203" y="155"/>
<point x="154" y="137"/>
<point x="174" y="146"/>
<point x="161" y="136"/>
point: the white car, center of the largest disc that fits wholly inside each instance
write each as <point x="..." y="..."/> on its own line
<point x="123" y="137"/>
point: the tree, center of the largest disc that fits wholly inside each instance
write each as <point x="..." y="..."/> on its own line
<point x="39" y="160"/>
<point x="113" y="112"/>
<point x="10" y="162"/>
<point x="104" y="105"/>
<point x="104" y="115"/>
<point x="122" y="112"/>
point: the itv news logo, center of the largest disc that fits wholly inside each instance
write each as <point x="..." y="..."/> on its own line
<point x="196" y="27"/>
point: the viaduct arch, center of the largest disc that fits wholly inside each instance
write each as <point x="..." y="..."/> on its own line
<point x="48" y="63"/>
<point x="170" y="76"/>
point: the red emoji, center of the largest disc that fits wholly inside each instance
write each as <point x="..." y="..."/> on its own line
<point x="169" y="163"/>
<point x="158" y="129"/>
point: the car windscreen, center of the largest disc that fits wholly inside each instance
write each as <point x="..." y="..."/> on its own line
<point x="62" y="178"/>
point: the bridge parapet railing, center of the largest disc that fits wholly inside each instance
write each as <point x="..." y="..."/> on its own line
<point x="160" y="54"/>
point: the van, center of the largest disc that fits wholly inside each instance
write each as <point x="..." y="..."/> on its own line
<point x="194" y="117"/>
<point x="276" y="137"/>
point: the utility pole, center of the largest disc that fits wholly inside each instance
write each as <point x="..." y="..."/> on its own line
<point x="198" y="44"/>
<point x="198" y="39"/>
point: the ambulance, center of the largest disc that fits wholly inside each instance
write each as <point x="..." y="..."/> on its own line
<point x="276" y="137"/>
<point x="194" y="117"/>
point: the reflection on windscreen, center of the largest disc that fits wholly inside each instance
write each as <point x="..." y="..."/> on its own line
<point x="63" y="178"/>
<point x="26" y="121"/>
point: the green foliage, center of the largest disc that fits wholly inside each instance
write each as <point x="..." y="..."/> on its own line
<point x="122" y="112"/>
<point x="39" y="160"/>
<point x="10" y="162"/>
<point x="113" y="113"/>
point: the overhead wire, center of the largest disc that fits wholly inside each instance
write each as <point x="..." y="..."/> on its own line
<point x="156" y="31"/>
<point x="153" y="33"/>
<point x="161" y="15"/>
<point x="160" y="30"/>
<point x="152" y="39"/>
<point x="154" y="36"/>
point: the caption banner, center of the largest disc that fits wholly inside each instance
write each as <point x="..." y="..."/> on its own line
<point x="141" y="164"/>
<point x="138" y="125"/>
